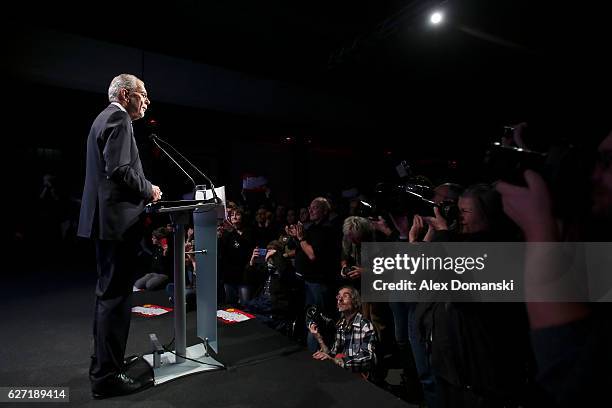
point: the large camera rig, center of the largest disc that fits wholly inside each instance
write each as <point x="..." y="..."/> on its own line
<point x="564" y="166"/>
<point x="411" y="199"/>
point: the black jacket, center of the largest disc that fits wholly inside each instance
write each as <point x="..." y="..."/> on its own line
<point x="116" y="189"/>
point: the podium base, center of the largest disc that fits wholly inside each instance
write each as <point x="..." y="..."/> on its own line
<point x="170" y="369"/>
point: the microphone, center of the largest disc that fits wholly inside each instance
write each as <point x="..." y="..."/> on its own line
<point x="156" y="138"/>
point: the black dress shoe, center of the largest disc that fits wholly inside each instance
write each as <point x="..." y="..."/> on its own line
<point x="118" y="384"/>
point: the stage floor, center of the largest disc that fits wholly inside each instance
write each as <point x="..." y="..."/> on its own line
<point x="46" y="322"/>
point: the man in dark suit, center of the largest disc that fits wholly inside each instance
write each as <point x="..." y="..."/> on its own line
<point x="114" y="196"/>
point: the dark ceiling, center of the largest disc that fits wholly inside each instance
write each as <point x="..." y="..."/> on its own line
<point x="452" y="87"/>
<point x="511" y="56"/>
<point x="296" y="41"/>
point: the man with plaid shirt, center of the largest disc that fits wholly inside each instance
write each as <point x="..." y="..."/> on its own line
<point x="355" y="336"/>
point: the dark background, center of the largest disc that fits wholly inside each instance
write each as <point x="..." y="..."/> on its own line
<point x="435" y="96"/>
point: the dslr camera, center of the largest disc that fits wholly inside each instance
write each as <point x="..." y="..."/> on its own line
<point x="565" y="167"/>
<point x="411" y="196"/>
<point x="346" y="270"/>
<point x="314" y="315"/>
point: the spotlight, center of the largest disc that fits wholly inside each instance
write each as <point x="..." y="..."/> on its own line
<point x="436" y="17"/>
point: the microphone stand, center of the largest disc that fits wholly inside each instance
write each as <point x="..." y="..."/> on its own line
<point x="156" y="138"/>
<point x="153" y="138"/>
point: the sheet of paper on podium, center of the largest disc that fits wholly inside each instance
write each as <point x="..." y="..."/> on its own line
<point x="206" y="194"/>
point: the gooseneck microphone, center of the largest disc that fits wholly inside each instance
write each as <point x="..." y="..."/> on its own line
<point x="157" y="139"/>
<point x="154" y="139"/>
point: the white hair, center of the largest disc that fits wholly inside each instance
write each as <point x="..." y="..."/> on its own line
<point x="127" y="81"/>
<point x="324" y="203"/>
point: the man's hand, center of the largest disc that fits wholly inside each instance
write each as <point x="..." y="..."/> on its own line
<point x="314" y="329"/>
<point x="254" y="255"/>
<point x="530" y="207"/>
<point x="299" y="231"/>
<point x="355" y="272"/>
<point x="438" y="222"/>
<point x="156" y="193"/>
<point x="270" y="253"/>
<point x="429" y="235"/>
<point x="319" y="355"/>
<point x="295" y="230"/>
<point x="418" y="224"/>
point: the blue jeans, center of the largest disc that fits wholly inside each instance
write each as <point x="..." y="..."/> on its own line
<point x="407" y="331"/>
<point x="235" y="294"/>
<point x="317" y="294"/>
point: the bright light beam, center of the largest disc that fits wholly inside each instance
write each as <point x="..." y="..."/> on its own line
<point x="436" y="17"/>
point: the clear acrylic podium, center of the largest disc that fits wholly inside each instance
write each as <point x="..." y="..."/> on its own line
<point x="190" y="360"/>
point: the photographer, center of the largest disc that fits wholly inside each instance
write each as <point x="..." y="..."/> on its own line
<point x="354" y="346"/>
<point x="271" y="273"/>
<point x="479" y="352"/>
<point x="446" y="194"/>
<point x="481" y="218"/>
<point x="571" y="341"/>
<point x="411" y="343"/>
<point x="357" y="230"/>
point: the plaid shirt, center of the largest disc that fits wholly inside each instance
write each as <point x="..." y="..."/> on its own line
<point x="355" y="341"/>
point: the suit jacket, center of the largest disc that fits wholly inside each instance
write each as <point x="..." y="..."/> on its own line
<point x="116" y="189"/>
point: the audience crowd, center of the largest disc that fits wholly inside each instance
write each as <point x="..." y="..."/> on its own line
<point x="297" y="267"/>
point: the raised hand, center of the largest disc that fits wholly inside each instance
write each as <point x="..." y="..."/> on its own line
<point x="530" y="207"/>
<point x="418" y="224"/>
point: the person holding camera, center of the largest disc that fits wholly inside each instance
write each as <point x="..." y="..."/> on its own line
<point x="571" y="340"/>
<point x="477" y="356"/>
<point x="355" y="342"/>
<point x="411" y="343"/>
<point x="234" y="250"/>
<point x="272" y="275"/>
<point x="357" y="230"/>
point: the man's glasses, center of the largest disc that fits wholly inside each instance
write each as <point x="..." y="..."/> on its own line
<point x="143" y="94"/>
<point x="343" y="296"/>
